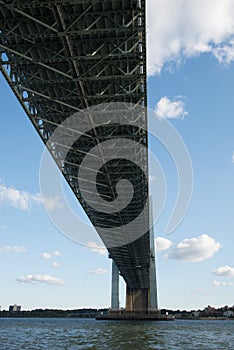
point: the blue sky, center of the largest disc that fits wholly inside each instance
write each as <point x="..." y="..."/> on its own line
<point x="191" y="74"/>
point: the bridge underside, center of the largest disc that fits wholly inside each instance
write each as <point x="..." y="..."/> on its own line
<point x="61" y="57"/>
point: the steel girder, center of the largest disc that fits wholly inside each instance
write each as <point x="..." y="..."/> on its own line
<point x="60" y="57"/>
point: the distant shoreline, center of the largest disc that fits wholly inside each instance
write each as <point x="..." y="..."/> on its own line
<point x="93" y="317"/>
<point x="92" y="313"/>
<point x="205" y="318"/>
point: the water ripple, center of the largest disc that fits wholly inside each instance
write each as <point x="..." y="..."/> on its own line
<point x="88" y="334"/>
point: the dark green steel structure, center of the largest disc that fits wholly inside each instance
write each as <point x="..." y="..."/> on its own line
<point x="62" y="56"/>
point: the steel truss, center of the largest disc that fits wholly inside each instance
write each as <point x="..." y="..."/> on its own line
<point x="62" y="56"/>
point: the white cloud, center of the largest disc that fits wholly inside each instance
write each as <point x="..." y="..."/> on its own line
<point x="178" y="29"/>
<point x="49" y="255"/>
<point x="35" y="279"/>
<point x="195" y="249"/>
<point x="224" y="271"/>
<point x="56" y="253"/>
<point x="12" y="249"/>
<point x="167" y="109"/>
<point x="14" y="198"/>
<point x="218" y="284"/>
<point x="225" y="53"/>
<point x="3" y="227"/>
<point x="152" y="178"/>
<point x="201" y="291"/>
<point x="233" y="157"/>
<point x="98" y="271"/>
<point x="162" y="244"/>
<point x="94" y="247"/>
<point x="55" y="264"/>
<point x="52" y="203"/>
<point x="46" y="255"/>
<point x="23" y="200"/>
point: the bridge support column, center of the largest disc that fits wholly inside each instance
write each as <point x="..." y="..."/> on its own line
<point x="136" y="300"/>
<point x="115" y="287"/>
<point x="145" y="300"/>
<point x="153" y="297"/>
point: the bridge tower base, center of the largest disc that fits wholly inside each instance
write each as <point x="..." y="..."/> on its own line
<point x="115" y="287"/>
<point x="145" y="300"/>
<point x="137" y="299"/>
<point x="141" y="304"/>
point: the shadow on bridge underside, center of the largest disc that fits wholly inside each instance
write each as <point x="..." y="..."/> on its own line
<point x="63" y="57"/>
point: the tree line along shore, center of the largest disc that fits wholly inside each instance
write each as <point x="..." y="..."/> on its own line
<point x="208" y="312"/>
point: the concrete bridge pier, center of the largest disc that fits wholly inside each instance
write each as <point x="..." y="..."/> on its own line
<point x="140" y="303"/>
<point x="153" y="295"/>
<point x="145" y="300"/>
<point x="137" y="300"/>
<point x="115" y="287"/>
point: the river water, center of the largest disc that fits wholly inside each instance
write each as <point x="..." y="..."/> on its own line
<point x="88" y="334"/>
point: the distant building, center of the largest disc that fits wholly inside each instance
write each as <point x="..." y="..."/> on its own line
<point x="196" y="313"/>
<point x="14" y="308"/>
<point x="228" y="313"/>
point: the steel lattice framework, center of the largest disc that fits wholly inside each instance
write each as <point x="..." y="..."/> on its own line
<point x="62" y="56"/>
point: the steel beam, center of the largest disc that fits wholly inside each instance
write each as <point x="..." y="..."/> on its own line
<point x="62" y="56"/>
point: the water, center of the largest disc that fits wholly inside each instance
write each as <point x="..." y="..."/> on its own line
<point x="88" y="334"/>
